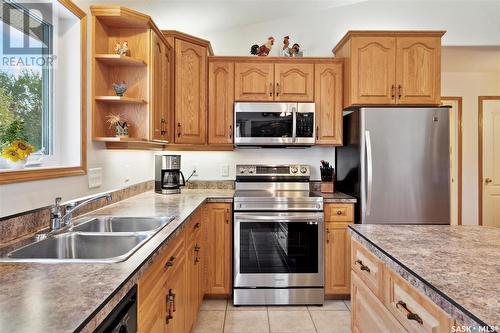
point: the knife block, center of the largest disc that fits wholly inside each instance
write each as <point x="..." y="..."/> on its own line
<point x="327" y="187"/>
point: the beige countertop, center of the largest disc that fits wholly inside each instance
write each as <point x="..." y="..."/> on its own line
<point x="66" y="297"/>
<point x="458" y="267"/>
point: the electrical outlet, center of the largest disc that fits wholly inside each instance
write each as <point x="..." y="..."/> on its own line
<point x="224" y="170"/>
<point x="95" y="177"/>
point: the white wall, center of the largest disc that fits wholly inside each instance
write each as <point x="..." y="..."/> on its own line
<point x="208" y="164"/>
<point x="469" y="73"/>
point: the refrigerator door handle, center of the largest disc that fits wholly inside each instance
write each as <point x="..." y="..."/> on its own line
<point x="369" y="170"/>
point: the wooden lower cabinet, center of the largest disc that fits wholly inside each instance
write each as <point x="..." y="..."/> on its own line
<point x="176" y="290"/>
<point x="337" y="249"/>
<point x="369" y="313"/>
<point x="218" y="226"/>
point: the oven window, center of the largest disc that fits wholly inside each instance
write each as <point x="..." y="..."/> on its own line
<point x="277" y="247"/>
<point x="264" y="124"/>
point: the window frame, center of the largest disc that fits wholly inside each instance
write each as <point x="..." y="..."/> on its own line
<point x="40" y="173"/>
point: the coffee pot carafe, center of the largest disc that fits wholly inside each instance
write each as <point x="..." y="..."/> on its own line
<point x="168" y="176"/>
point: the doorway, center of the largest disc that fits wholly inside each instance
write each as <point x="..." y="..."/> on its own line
<point x="489" y="160"/>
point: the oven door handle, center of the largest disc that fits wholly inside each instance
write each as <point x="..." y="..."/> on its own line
<point x="274" y="218"/>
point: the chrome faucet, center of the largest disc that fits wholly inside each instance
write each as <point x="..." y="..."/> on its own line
<point x="58" y="221"/>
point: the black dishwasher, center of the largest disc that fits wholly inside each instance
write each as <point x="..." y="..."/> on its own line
<point x="123" y="318"/>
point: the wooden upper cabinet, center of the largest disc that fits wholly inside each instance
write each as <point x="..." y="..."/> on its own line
<point x="328" y="99"/>
<point x="190" y="92"/>
<point x="161" y="97"/>
<point x="391" y="67"/>
<point x="294" y="82"/>
<point x="254" y="81"/>
<point x="220" y="102"/>
<point x="373" y="70"/>
<point x="418" y="70"/>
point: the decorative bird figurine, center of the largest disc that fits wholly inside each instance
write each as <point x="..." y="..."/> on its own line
<point x="262" y="50"/>
<point x="121" y="49"/>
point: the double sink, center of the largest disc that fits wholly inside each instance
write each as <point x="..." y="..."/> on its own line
<point x="104" y="239"/>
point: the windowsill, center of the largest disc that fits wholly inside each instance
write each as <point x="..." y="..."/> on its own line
<point x="8" y="176"/>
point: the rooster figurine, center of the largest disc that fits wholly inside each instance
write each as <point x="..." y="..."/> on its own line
<point x="262" y="50"/>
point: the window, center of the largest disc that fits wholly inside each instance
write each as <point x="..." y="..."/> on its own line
<point x="42" y="116"/>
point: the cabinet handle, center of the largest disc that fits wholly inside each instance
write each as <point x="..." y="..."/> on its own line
<point x="227" y="216"/>
<point x="400" y="88"/>
<point x="278" y="90"/>
<point x="317" y="132"/>
<point x="363" y="266"/>
<point x="230" y="131"/>
<point x="197" y="248"/>
<point x="162" y="131"/>
<point x="170" y="305"/>
<point x="327" y="235"/>
<point x="196" y="260"/>
<point x="270" y="89"/>
<point x="178" y="129"/>
<point x="197" y="225"/>
<point x="409" y="315"/>
<point x="170" y="262"/>
<point x="393" y="92"/>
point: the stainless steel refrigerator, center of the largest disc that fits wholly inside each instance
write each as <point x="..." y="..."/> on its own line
<point x="396" y="162"/>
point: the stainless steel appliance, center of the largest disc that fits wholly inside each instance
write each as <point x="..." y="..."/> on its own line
<point x="123" y="318"/>
<point x="274" y="124"/>
<point x="278" y="237"/>
<point x="396" y="162"/>
<point x="168" y="175"/>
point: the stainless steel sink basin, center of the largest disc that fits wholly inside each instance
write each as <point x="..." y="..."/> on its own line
<point x="123" y="224"/>
<point x="81" y="247"/>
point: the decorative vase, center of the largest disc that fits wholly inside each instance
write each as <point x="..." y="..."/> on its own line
<point x="17" y="165"/>
<point x="119" y="88"/>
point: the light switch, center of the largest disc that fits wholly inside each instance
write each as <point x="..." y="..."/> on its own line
<point x="224" y="170"/>
<point x="95" y="177"/>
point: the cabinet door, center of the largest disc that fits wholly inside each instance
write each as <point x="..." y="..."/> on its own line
<point x="219" y="252"/>
<point x="158" y="112"/>
<point x="373" y="72"/>
<point x="328" y="98"/>
<point x="220" y="102"/>
<point x="418" y="71"/>
<point x="176" y="298"/>
<point x="294" y="82"/>
<point x="337" y="259"/>
<point x="254" y="82"/>
<point x="190" y="92"/>
<point x="152" y="312"/>
<point x="368" y="313"/>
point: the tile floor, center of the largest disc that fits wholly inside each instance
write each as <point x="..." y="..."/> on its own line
<point x="218" y="316"/>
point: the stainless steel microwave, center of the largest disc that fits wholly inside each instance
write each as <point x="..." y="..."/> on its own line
<point x="274" y="124"/>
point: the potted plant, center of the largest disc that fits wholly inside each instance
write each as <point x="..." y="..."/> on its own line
<point x="14" y="149"/>
<point x="119" y="124"/>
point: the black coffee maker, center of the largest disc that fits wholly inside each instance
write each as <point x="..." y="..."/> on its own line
<point x="168" y="174"/>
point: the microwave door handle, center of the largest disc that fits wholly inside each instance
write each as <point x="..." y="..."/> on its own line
<point x="294" y="122"/>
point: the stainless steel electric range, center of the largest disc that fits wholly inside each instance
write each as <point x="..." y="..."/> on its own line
<point x="278" y="237"/>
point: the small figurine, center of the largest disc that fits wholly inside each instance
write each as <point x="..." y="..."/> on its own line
<point x="121" y="49"/>
<point x="293" y="51"/>
<point x="262" y="50"/>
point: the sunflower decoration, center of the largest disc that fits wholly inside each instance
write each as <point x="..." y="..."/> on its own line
<point x="18" y="150"/>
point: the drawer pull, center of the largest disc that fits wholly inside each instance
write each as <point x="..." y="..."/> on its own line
<point x="170" y="262"/>
<point x="197" y="248"/>
<point x="339" y="212"/>
<point x="197" y="225"/>
<point x="363" y="266"/>
<point x="410" y="315"/>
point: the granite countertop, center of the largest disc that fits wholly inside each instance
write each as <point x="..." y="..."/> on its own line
<point x="69" y="297"/>
<point x="336" y="197"/>
<point x="458" y="267"/>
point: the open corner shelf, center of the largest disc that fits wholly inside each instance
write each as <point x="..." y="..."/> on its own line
<point x="119" y="100"/>
<point x="113" y="142"/>
<point x="119" y="60"/>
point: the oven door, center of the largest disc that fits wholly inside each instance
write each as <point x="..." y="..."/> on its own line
<point x="278" y="250"/>
<point x="264" y="123"/>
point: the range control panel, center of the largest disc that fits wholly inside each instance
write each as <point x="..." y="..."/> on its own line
<point x="273" y="170"/>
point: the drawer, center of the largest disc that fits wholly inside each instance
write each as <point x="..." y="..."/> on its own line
<point x="339" y="212"/>
<point x="368" y="313"/>
<point x="193" y="226"/>
<point x="159" y="271"/>
<point x="413" y="309"/>
<point x="368" y="267"/>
